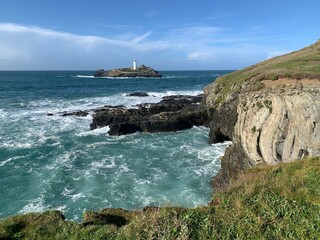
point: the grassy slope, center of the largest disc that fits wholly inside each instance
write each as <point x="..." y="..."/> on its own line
<point x="281" y="202"/>
<point x="304" y="63"/>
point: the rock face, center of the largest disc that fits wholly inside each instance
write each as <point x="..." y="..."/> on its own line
<point x="268" y="120"/>
<point x="141" y="71"/>
<point x="173" y="113"/>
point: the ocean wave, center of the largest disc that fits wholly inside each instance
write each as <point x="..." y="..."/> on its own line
<point x="95" y="132"/>
<point x="35" y="205"/>
<point x="5" y="162"/>
<point x="42" y="107"/>
<point x="104" y="164"/>
<point x="14" y="144"/>
<point x="3" y="113"/>
<point x="223" y="144"/>
<point x="84" y="76"/>
<point x="69" y="193"/>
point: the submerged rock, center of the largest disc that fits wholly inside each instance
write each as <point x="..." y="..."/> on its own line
<point x="137" y="94"/>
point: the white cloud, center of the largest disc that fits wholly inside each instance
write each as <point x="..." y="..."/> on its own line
<point x="197" y="56"/>
<point x="195" y="31"/>
<point x="40" y="47"/>
<point x="32" y="47"/>
<point x="126" y="40"/>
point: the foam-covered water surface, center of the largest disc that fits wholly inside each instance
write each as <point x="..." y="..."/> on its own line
<point x="55" y="162"/>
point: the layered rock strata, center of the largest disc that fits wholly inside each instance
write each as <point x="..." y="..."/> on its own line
<point x="279" y="123"/>
<point x="270" y="111"/>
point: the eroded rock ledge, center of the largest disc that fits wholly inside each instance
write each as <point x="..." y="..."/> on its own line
<point x="173" y="113"/>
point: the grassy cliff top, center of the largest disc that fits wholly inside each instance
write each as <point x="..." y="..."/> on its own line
<point x="304" y="63"/>
<point x="280" y="202"/>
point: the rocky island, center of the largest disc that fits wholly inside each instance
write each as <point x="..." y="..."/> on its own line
<point x="141" y="71"/>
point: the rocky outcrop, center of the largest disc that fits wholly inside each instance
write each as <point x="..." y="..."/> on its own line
<point x="268" y="120"/>
<point x="173" y="113"/>
<point x="141" y="71"/>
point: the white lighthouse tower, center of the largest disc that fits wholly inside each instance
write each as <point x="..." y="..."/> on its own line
<point x="134" y="67"/>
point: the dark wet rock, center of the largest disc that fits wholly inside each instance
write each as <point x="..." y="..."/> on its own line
<point x="174" y="113"/>
<point x="138" y="94"/>
<point x="72" y="113"/>
<point x="76" y="113"/>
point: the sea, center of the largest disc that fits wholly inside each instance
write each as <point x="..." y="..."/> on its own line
<point x="55" y="162"/>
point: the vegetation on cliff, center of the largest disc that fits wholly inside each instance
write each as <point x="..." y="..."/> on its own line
<point x="275" y="202"/>
<point x="270" y="111"/>
<point x="304" y="63"/>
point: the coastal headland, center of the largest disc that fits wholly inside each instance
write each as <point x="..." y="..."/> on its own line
<point x="268" y="185"/>
<point x="270" y="111"/>
<point x="141" y="71"/>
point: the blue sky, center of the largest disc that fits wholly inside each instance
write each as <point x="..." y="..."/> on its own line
<point x="166" y="35"/>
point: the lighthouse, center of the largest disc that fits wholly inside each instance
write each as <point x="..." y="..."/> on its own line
<point x="134" y="67"/>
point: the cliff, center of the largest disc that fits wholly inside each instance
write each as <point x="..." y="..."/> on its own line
<point x="141" y="71"/>
<point x="270" y="111"/>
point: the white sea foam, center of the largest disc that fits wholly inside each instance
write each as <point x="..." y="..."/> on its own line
<point x="84" y="76"/>
<point x="206" y="154"/>
<point x="106" y="163"/>
<point x="61" y="208"/>
<point x="96" y="132"/>
<point x="124" y="168"/>
<point x="70" y="194"/>
<point x="64" y="160"/>
<point x="14" y="144"/>
<point x="75" y="197"/>
<point x="6" y="161"/>
<point x="35" y="205"/>
<point x="3" y="113"/>
<point x="223" y="144"/>
<point x="66" y="191"/>
<point x="39" y="108"/>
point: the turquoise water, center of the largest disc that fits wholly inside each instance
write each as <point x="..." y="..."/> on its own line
<point x="58" y="163"/>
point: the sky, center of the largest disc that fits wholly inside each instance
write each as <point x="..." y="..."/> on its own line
<point x="163" y="34"/>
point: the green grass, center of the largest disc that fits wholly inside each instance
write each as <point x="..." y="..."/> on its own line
<point x="304" y="63"/>
<point x="280" y="202"/>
